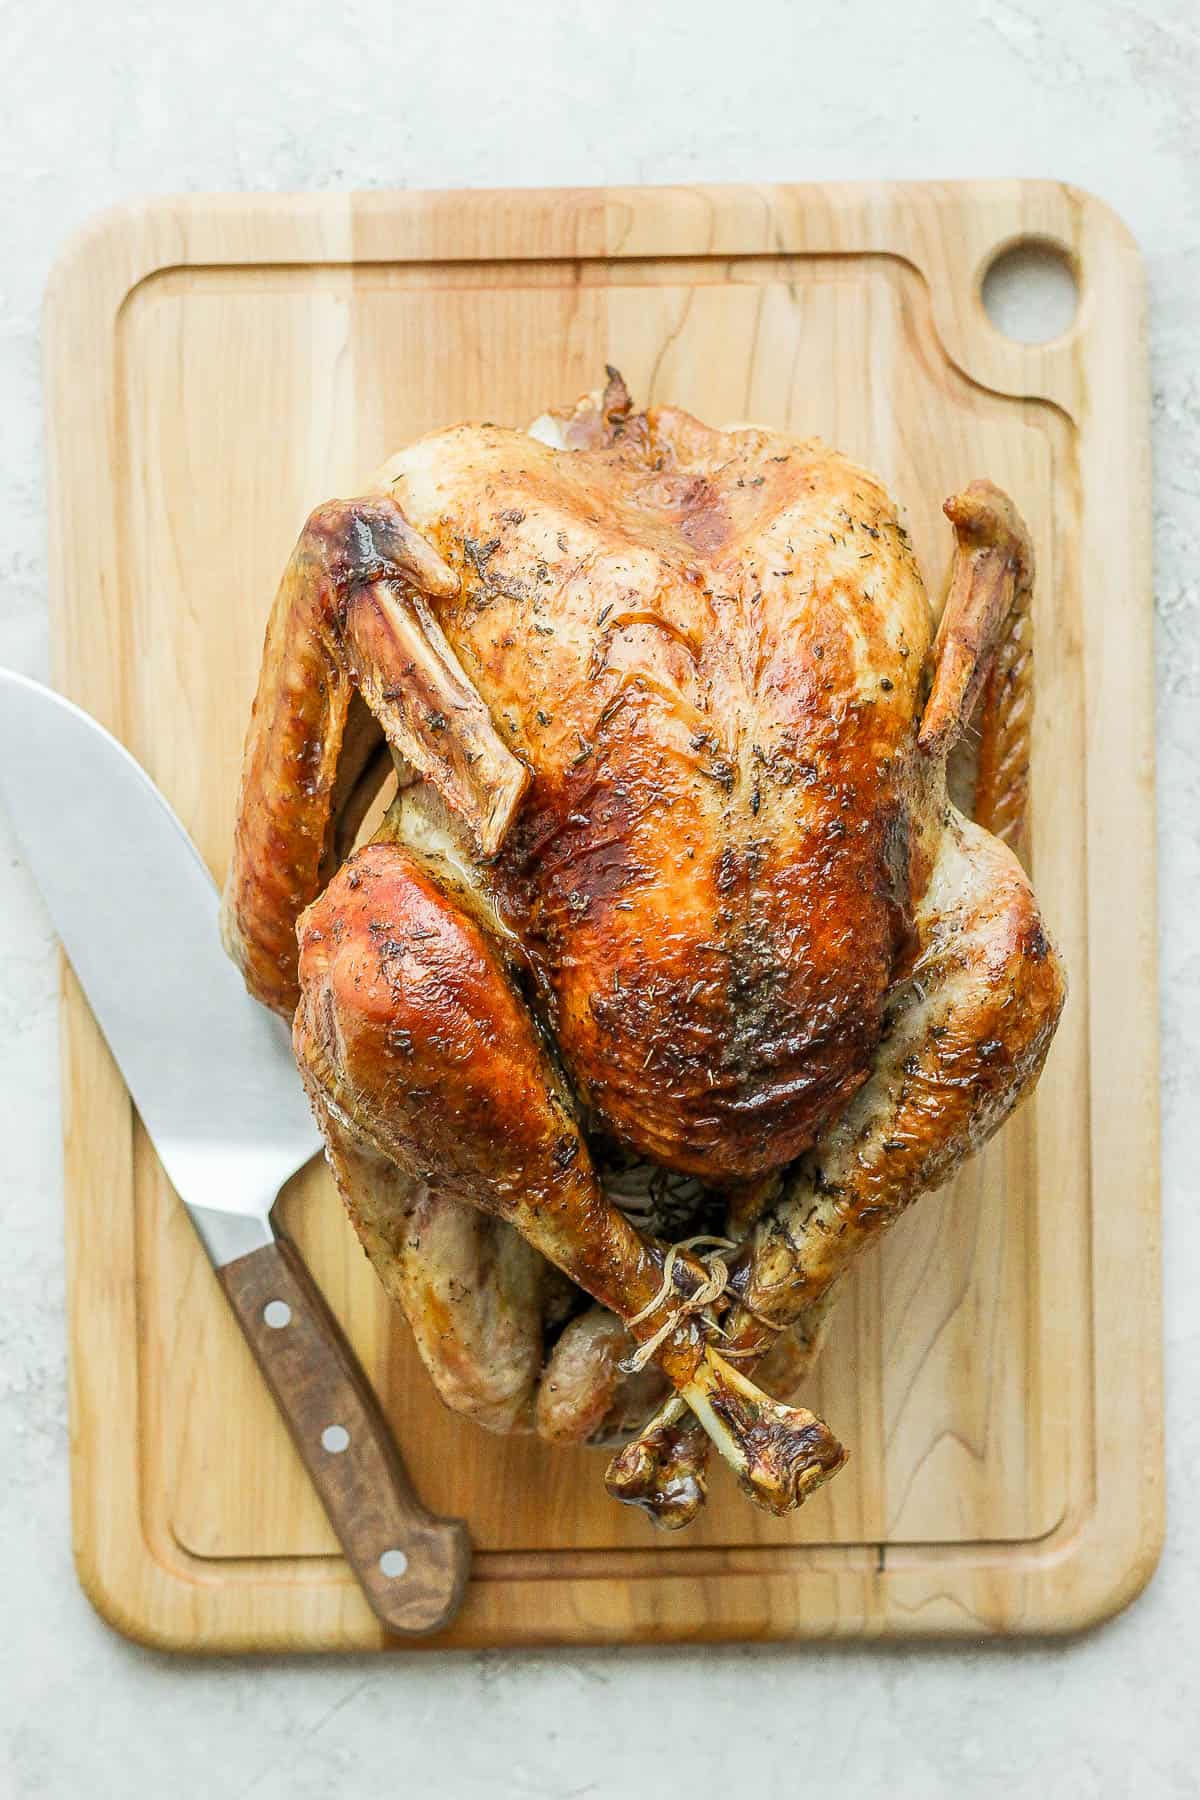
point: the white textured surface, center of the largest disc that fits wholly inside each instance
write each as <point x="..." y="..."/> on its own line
<point x="102" y="103"/>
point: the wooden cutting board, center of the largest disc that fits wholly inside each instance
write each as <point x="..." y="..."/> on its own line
<point x="215" y="368"/>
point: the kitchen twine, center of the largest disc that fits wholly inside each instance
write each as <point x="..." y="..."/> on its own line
<point x="705" y="1295"/>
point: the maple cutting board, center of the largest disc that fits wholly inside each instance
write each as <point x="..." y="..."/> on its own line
<point x="218" y="366"/>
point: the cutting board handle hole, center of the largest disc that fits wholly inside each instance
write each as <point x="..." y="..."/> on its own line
<point x="1030" y="290"/>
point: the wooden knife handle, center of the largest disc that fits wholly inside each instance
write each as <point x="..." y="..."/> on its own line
<point x="412" y="1564"/>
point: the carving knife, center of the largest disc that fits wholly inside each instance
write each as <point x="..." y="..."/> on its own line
<point x="212" y="1077"/>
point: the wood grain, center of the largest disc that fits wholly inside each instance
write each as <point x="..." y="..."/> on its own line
<point x="215" y="367"/>
<point x="411" y="1565"/>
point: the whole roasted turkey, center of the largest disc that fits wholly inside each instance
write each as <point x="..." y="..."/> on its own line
<point x="671" y="974"/>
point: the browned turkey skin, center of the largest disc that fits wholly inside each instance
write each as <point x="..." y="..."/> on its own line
<point x="671" y="877"/>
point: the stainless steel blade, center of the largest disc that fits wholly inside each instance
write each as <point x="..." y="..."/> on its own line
<point x="210" y="1072"/>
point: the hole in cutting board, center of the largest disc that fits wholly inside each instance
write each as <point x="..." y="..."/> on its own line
<point x="335" y="1439"/>
<point x="1031" y="292"/>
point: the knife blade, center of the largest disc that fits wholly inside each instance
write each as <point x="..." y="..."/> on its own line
<point x="211" y="1075"/>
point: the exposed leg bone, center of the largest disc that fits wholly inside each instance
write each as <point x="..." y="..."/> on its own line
<point x="664" y="1470"/>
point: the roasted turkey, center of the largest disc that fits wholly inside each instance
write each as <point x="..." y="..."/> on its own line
<point x="671" y="975"/>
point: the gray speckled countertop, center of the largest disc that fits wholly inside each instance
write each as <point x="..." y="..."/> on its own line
<point x="105" y="103"/>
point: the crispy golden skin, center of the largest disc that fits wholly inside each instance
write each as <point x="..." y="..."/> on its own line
<point x="671" y="836"/>
<point x="670" y="633"/>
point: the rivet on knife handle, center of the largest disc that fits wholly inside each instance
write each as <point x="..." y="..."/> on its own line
<point x="412" y="1565"/>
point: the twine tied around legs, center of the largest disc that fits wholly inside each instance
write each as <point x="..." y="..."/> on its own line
<point x="704" y="1296"/>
